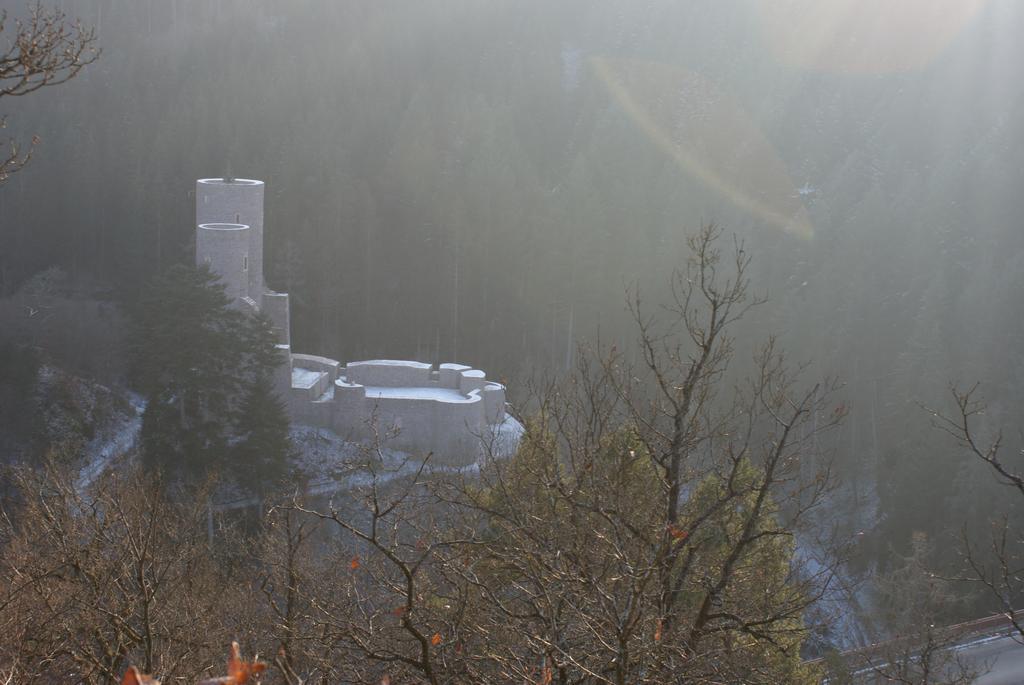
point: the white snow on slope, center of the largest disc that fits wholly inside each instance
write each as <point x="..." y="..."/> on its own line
<point x="335" y="464"/>
<point x="109" y="445"/>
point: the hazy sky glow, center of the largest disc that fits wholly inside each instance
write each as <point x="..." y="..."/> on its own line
<point x="863" y="36"/>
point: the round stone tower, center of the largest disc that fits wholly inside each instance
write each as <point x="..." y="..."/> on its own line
<point x="236" y="201"/>
<point x="225" y="248"/>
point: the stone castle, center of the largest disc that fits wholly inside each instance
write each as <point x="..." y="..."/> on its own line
<point x="452" y="410"/>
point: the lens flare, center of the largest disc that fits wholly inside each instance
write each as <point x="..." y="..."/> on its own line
<point x="709" y="135"/>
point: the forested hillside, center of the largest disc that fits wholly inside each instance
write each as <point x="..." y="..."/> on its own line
<point x="480" y="182"/>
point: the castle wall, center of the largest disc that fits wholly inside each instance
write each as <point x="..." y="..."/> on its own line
<point x="311" y="361"/>
<point x="237" y="257"/>
<point x="309" y="385"/>
<point x="238" y="201"/>
<point x="448" y="430"/>
<point x="349" y="416"/>
<point x="459" y="428"/>
<point x="449" y="374"/>
<point x="389" y="373"/>
<point x="472" y="379"/>
<point x="312" y="412"/>
<point x="494" y="403"/>
<point x="282" y="376"/>
<point x="225" y="249"/>
<point x="416" y="409"/>
<point x="275" y="306"/>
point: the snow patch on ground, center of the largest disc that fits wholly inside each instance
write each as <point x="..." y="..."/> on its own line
<point x="838" y="613"/>
<point x="842" y="614"/>
<point x="333" y="464"/>
<point x="325" y="456"/>
<point x="118" y="439"/>
<point x="506" y="437"/>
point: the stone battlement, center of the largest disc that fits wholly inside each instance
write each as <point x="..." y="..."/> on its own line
<point x="451" y="411"/>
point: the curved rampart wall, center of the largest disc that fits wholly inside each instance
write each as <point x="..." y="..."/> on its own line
<point x="459" y="442"/>
<point x="448" y="430"/>
<point x="311" y="361"/>
<point x="472" y="379"/>
<point x="389" y="373"/>
<point x="449" y="374"/>
<point x="348" y="418"/>
<point x="494" y="402"/>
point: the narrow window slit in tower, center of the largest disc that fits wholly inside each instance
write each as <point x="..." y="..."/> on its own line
<point x="245" y="262"/>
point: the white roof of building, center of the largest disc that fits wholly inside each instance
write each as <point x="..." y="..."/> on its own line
<point x="392" y="362"/>
<point x="448" y="395"/>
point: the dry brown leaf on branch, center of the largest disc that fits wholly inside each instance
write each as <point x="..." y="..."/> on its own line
<point x="133" y="677"/>
<point x="240" y="672"/>
<point x="677" y="533"/>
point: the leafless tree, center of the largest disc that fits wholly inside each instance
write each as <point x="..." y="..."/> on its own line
<point x="920" y="647"/>
<point x="91" y="582"/>
<point x="43" y="49"/>
<point x="644" y="533"/>
<point x="378" y="609"/>
<point x="995" y="564"/>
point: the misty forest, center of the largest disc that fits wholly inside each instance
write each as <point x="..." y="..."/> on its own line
<point x="449" y="341"/>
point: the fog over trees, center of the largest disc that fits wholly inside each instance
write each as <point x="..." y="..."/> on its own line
<point x="502" y="183"/>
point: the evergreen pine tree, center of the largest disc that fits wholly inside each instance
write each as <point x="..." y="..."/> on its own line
<point x="193" y="359"/>
<point x="261" y="455"/>
<point x="259" y="343"/>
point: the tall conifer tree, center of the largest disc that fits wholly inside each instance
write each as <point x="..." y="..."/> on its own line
<point x="195" y="358"/>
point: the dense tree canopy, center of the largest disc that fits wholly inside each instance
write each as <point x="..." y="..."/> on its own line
<point x="204" y="368"/>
